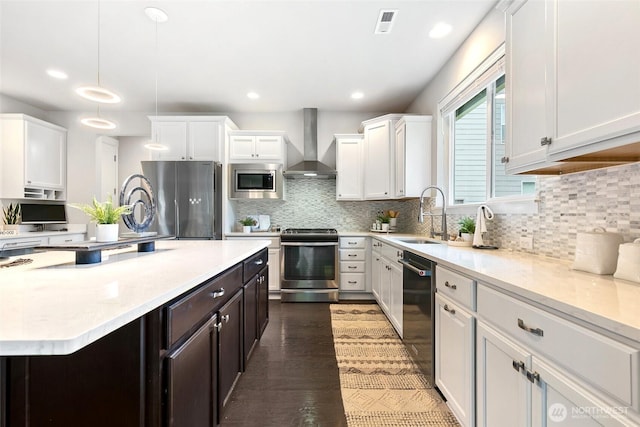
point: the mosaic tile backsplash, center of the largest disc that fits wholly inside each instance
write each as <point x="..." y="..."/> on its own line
<point x="568" y="204"/>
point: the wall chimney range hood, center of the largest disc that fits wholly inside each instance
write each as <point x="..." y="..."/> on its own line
<point x="310" y="167"/>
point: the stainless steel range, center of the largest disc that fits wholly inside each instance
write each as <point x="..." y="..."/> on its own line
<point x="309" y="271"/>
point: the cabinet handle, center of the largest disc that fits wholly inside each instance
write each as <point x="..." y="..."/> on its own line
<point x="533" y="376"/>
<point x="218" y="293"/>
<point x="257" y="155"/>
<point x="351" y="255"/>
<point x="504" y="160"/>
<point x="352" y="243"/>
<point x="218" y="326"/>
<point x="517" y="365"/>
<point x="545" y="141"/>
<point x="450" y="310"/>
<point x="353" y="282"/>
<point x="535" y="331"/>
<point x="259" y="262"/>
<point x="225" y="318"/>
<point x="351" y="267"/>
<point x="454" y="286"/>
<point x="399" y="254"/>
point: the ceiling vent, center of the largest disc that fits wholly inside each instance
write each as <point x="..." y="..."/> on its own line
<point x="385" y="21"/>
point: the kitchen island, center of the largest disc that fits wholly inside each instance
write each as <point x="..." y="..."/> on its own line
<point x="103" y="344"/>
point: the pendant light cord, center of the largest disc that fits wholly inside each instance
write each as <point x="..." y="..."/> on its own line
<point x="157" y="65"/>
<point x="98" y="43"/>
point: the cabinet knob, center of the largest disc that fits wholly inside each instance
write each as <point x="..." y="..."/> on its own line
<point x="226" y="318"/>
<point x="257" y="155"/>
<point x="517" y="365"/>
<point x="253" y="155"/>
<point x="182" y="157"/>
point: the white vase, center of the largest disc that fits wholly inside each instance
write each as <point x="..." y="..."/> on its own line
<point x="246" y="229"/>
<point x="467" y="237"/>
<point x="393" y="222"/>
<point x="107" y="232"/>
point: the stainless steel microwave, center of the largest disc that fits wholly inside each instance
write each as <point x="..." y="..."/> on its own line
<point x="255" y="181"/>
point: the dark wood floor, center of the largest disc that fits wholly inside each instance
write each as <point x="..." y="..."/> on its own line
<point x="292" y="377"/>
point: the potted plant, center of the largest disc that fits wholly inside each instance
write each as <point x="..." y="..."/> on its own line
<point x="384" y="220"/>
<point x="247" y="223"/>
<point x="467" y="228"/>
<point x="11" y="216"/>
<point x="106" y="217"/>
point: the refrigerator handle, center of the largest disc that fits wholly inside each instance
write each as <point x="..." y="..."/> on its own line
<point x="177" y="207"/>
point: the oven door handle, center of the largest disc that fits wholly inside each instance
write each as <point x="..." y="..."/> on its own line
<point x="309" y="243"/>
<point x="418" y="271"/>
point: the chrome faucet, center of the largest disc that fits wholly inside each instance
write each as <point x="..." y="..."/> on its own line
<point x="444" y="235"/>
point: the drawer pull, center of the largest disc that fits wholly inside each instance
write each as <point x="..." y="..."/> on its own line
<point x="517" y="365"/>
<point x="352" y="243"/>
<point x="225" y="318"/>
<point x="454" y="286"/>
<point x="352" y="282"/>
<point x="352" y="267"/>
<point x="218" y="293"/>
<point x="535" y="331"/>
<point x="352" y="255"/>
<point x="259" y="262"/>
<point x="218" y="326"/>
<point x="450" y="310"/>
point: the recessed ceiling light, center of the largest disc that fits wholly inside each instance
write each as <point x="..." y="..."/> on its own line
<point x="357" y="95"/>
<point x="57" y="74"/>
<point x="156" y="147"/>
<point x="253" y="95"/>
<point x="156" y="15"/>
<point x="440" y="30"/>
<point x="98" y="94"/>
<point x="98" y="123"/>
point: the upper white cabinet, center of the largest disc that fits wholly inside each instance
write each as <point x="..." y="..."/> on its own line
<point x="397" y="153"/>
<point x="574" y="95"/>
<point x="34" y="158"/>
<point x="349" y="166"/>
<point x="190" y="137"/>
<point x="257" y="146"/>
<point x="412" y="155"/>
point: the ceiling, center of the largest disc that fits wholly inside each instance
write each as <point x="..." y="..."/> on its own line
<point x="210" y="54"/>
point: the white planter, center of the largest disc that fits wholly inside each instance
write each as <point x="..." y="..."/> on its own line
<point x="107" y="232"/>
<point x="467" y="237"/>
<point x="385" y="226"/>
<point x="246" y="229"/>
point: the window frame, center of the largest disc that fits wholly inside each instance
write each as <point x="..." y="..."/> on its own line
<point x="481" y="77"/>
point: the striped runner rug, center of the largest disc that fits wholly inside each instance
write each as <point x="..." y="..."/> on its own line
<point x="380" y="384"/>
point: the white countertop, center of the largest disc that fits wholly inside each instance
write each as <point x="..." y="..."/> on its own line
<point x="53" y="306"/>
<point x="606" y="304"/>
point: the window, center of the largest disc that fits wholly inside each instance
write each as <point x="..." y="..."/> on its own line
<point x="473" y="118"/>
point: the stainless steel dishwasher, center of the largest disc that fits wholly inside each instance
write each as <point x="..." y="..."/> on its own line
<point x="418" y="305"/>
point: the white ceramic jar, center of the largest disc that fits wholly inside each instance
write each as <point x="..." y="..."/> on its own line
<point x="629" y="262"/>
<point x="597" y="251"/>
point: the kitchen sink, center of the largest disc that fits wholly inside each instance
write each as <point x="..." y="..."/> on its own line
<point x="416" y="241"/>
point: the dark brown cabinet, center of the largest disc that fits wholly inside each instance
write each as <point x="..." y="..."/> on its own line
<point x="192" y="379"/>
<point x="263" y="300"/>
<point x="229" y="347"/>
<point x="250" y="317"/>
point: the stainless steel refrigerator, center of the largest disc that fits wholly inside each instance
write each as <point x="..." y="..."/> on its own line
<point x="189" y="198"/>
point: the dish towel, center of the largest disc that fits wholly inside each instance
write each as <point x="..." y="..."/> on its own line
<point x="484" y="213"/>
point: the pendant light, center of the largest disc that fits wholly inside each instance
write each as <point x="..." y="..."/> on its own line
<point x="157" y="16"/>
<point x="98" y="94"/>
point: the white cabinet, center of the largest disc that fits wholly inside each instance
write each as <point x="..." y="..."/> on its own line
<point x="550" y="365"/>
<point x="412" y="156"/>
<point x="577" y="93"/>
<point x="397" y="156"/>
<point x="387" y="281"/>
<point x="353" y="257"/>
<point x="34" y="158"/>
<point x="257" y="146"/>
<point x="190" y="137"/>
<point x="349" y="166"/>
<point x="274" y="258"/>
<point x="454" y="344"/>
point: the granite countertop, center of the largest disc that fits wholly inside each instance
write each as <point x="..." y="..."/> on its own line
<point x="601" y="302"/>
<point x="52" y="306"/>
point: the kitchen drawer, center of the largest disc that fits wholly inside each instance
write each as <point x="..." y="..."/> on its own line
<point x="352" y="281"/>
<point x="22" y="243"/>
<point x="457" y="287"/>
<point x="187" y="312"/>
<point x="352" y="266"/>
<point x="274" y="241"/>
<point x="352" y="255"/>
<point x="254" y="264"/>
<point x="607" y="364"/>
<point x="66" y="238"/>
<point x="353" y="242"/>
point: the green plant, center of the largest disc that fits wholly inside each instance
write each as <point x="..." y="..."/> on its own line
<point x="384" y="219"/>
<point x="11" y="215"/>
<point x="467" y="225"/>
<point x="104" y="213"/>
<point x="248" y="221"/>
